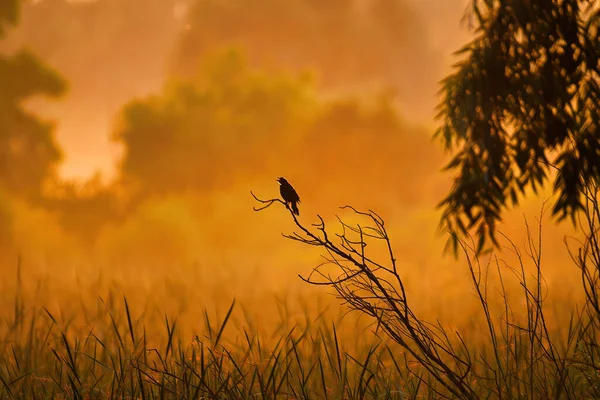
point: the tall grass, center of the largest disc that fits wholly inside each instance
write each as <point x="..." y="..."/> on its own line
<point x="42" y="357"/>
<point x="111" y="353"/>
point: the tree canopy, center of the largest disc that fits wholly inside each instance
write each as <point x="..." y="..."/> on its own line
<point x="521" y="109"/>
<point x="231" y="123"/>
<point x="28" y="151"/>
<point x="8" y="14"/>
<point x="190" y="136"/>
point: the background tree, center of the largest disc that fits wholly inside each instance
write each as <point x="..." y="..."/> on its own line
<point x="192" y="135"/>
<point x="76" y="37"/>
<point x="28" y="151"/>
<point x="8" y="14"/>
<point x="230" y="124"/>
<point x="521" y="109"/>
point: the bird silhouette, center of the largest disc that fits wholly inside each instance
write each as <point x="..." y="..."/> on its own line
<point x="289" y="195"/>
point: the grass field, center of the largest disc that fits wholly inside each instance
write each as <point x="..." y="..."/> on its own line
<point x="191" y="340"/>
<point x="181" y="302"/>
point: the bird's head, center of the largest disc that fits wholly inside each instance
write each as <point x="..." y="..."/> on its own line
<point x="281" y="181"/>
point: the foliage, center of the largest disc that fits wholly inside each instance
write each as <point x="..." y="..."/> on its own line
<point x="231" y="123"/>
<point x="83" y="208"/>
<point x="8" y="14"/>
<point x="189" y="137"/>
<point x="28" y="152"/>
<point x="522" y="104"/>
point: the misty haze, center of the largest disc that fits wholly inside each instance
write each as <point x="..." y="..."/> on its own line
<point x="132" y="133"/>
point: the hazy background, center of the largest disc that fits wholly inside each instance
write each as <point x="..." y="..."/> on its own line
<point x="111" y="51"/>
<point x="176" y="109"/>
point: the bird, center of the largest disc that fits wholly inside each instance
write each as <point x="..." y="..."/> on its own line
<point x="289" y="195"/>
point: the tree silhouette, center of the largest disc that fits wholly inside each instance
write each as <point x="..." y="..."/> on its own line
<point x="28" y="151"/>
<point x="521" y="109"/>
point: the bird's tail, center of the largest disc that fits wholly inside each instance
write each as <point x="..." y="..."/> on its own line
<point x="295" y="208"/>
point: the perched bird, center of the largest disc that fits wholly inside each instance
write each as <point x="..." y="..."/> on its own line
<point x="289" y="195"/>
